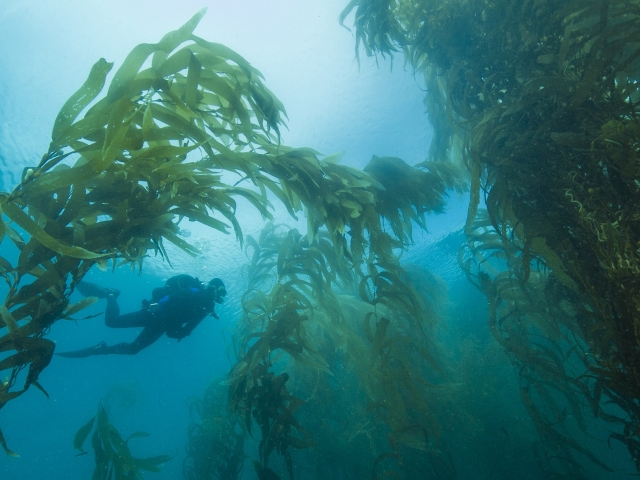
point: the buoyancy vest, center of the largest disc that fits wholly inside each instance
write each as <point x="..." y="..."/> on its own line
<point x="174" y="284"/>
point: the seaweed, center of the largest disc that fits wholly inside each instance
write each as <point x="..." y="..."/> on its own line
<point x="187" y="126"/>
<point x="112" y="454"/>
<point x="116" y="182"/>
<point x="215" y="449"/>
<point x="536" y="319"/>
<point x="540" y="100"/>
<point x="296" y="324"/>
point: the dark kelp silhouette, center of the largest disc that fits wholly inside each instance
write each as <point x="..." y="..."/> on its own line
<point x="124" y="169"/>
<point x="540" y="98"/>
<point x="113" y="457"/>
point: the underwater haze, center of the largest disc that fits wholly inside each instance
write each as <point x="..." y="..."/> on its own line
<point x="391" y="309"/>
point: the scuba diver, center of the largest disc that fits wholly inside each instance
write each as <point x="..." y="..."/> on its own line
<point x="175" y="310"/>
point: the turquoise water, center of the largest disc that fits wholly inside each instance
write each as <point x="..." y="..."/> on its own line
<point x="333" y="105"/>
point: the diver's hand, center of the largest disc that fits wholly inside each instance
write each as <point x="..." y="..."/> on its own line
<point x="153" y="307"/>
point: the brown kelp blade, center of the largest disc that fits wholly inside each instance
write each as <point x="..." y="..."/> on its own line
<point x="82" y="434"/>
<point x="4" y="446"/>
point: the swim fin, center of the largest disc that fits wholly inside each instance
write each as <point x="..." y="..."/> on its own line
<point x="89" y="289"/>
<point x="99" y="349"/>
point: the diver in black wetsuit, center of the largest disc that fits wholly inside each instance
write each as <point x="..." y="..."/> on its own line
<point x="176" y="309"/>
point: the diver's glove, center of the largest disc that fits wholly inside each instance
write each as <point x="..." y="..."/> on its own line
<point x="151" y="307"/>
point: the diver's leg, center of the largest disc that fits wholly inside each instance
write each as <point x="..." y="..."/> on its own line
<point x="113" y="309"/>
<point x="153" y="329"/>
<point x="146" y="338"/>
<point x="89" y="289"/>
<point x="113" y="319"/>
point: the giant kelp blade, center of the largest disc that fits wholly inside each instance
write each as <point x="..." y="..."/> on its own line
<point x="10" y="323"/>
<point x="32" y="228"/>
<point x="5" y="265"/>
<point x="204" y="219"/>
<point x="176" y="62"/>
<point x="345" y="13"/>
<point x="15" y="237"/>
<point x="90" y="126"/>
<point x="80" y="99"/>
<point x="38" y="352"/>
<point x="181" y="244"/>
<point x="114" y="438"/>
<point x="102" y="422"/>
<point x="4" y="446"/>
<point x="151" y="464"/>
<point x="225" y="52"/>
<point x="134" y="61"/>
<point x="36" y="384"/>
<point x="193" y="79"/>
<point x="115" y="133"/>
<point x="81" y="305"/>
<point x="171" y="40"/>
<point x="101" y="471"/>
<point x="82" y="434"/>
<point x="137" y="435"/>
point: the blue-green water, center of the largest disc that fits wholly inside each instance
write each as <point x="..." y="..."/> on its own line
<point x="333" y="106"/>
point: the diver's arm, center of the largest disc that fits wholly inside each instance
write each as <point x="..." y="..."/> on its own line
<point x="186" y="329"/>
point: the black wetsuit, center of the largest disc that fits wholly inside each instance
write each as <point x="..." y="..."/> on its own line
<point x="175" y="314"/>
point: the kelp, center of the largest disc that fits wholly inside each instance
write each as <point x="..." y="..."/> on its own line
<point x="537" y="321"/>
<point x="187" y="126"/>
<point x="542" y="98"/>
<point x="216" y="437"/>
<point x="275" y="323"/>
<point x="116" y="182"/>
<point x="296" y="325"/>
<point x="112" y="454"/>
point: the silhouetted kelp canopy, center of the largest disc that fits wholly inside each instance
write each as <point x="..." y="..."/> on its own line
<point x="539" y="97"/>
<point x="186" y="127"/>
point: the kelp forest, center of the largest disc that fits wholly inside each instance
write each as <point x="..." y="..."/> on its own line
<point x="341" y="368"/>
